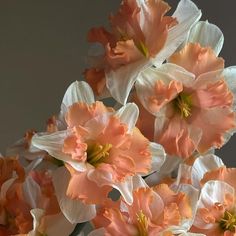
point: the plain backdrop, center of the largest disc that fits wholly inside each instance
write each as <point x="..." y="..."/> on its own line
<point x="43" y="49"/>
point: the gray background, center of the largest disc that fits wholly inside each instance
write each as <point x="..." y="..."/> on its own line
<point x="43" y="49"/>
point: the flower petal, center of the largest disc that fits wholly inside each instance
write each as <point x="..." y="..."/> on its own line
<point x="37" y="214"/>
<point x="158" y="156"/>
<point x="97" y="232"/>
<point x="211" y="193"/>
<point x="78" y="91"/>
<point x="53" y="144"/>
<point x="202" y="165"/>
<point x="128" y="114"/>
<point x="208" y="35"/>
<point x="120" y="81"/>
<point x="74" y="210"/>
<point x="229" y="75"/>
<point x="170" y="164"/>
<point x="57" y="225"/>
<point x="187" y="14"/>
<point x="156" y="87"/>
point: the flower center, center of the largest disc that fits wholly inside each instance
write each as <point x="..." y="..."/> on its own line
<point x="183" y="104"/>
<point x="228" y="222"/>
<point x="97" y="153"/>
<point x="142" y="224"/>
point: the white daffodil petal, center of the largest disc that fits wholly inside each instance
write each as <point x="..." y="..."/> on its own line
<point x="211" y="193"/>
<point x="146" y="82"/>
<point x="187" y="14"/>
<point x="128" y="114"/>
<point x="37" y="214"/>
<point x="97" y="232"/>
<point x="170" y="164"/>
<point x="191" y="234"/>
<point x="229" y="75"/>
<point x="158" y="156"/>
<point x="31" y="192"/>
<point x="126" y="189"/>
<point x="74" y="210"/>
<point x="193" y="195"/>
<point x="121" y="81"/>
<point x="57" y="225"/>
<point x="53" y="144"/>
<point x="208" y="35"/>
<point x="202" y="165"/>
<point x="78" y="91"/>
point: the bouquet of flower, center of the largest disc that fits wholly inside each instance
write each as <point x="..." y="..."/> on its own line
<point x="145" y="165"/>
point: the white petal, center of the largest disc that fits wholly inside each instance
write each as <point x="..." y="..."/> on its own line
<point x="212" y="192"/>
<point x="74" y="210"/>
<point x="191" y="234"/>
<point x="208" y="35"/>
<point x="97" y="232"/>
<point x="158" y="156"/>
<point x="128" y="114"/>
<point x="78" y="91"/>
<point x="187" y="14"/>
<point x="145" y="85"/>
<point x="31" y="192"/>
<point x="121" y="81"/>
<point x="230" y="78"/>
<point x="170" y="164"/>
<point x="58" y="225"/>
<point x="202" y="165"/>
<point x="138" y="182"/>
<point x="37" y="214"/>
<point x="126" y="189"/>
<point x="53" y="144"/>
<point x="193" y="195"/>
<point x="184" y="172"/>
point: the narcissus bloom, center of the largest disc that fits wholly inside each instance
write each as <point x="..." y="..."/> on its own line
<point x="28" y="204"/>
<point x="216" y="213"/>
<point x="157" y="211"/>
<point x="190" y="100"/>
<point x="141" y="35"/>
<point x="101" y="147"/>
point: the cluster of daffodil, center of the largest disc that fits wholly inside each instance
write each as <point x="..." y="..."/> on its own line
<point x="146" y="165"/>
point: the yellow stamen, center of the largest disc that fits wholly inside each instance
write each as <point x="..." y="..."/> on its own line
<point x="228" y="222"/>
<point x="97" y="153"/>
<point x="142" y="224"/>
<point x="183" y="104"/>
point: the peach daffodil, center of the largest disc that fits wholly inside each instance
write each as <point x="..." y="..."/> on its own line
<point x="154" y="211"/>
<point x="190" y="100"/>
<point x="216" y="213"/>
<point x="101" y="148"/>
<point x="28" y="205"/>
<point x="141" y="35"/>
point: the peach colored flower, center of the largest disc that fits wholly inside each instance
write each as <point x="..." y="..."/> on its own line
<point x="189" y="108"/>
<point x="157" y="211"/>
<point x="28" y="204"/>
<point x="132" y="45"/>
<point x="101" y="147"/>
<point x="216" y="213"/>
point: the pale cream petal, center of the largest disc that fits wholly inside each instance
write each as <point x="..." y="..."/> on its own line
<point x="187" y="14"/>
<point x="128" y="114"/>
<point x="211" y="193"/>
<point x="74" y="210"/>
<point x="208" y="35"/>
<point x="229" y="75"/>
<point x="202" y="165"/>
<point x="58" y="225"/>
<point x="120" y="81"/>
<point x="158" y="156"/>
<point x="53" y="144"/>
<point x="37" y="214"/>
<point x="78" y="91"/>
